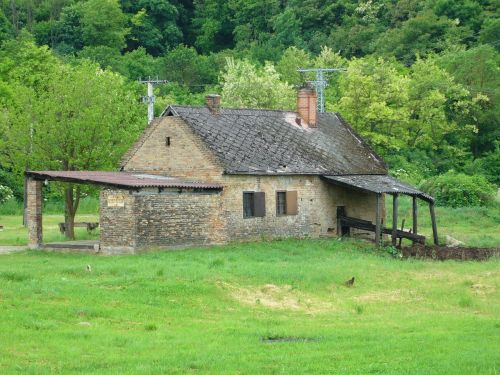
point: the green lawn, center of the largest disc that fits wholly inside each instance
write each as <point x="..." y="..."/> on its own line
<point x="14" y="233"/>
<point x="211" y="310"/>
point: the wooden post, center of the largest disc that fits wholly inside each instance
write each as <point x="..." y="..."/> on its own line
<point x="434" y="226"/>
<point x="394" y="218"/>
<point x="34" y="212"/>
<point x="378" y="220"/>
<point x="415" y="211"/>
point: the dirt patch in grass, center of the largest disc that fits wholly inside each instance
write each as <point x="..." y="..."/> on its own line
<point x="448" y="253"/>
<point x="272" y="296"/>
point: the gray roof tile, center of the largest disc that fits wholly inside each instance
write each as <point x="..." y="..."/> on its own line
<point x="263" y="142"/>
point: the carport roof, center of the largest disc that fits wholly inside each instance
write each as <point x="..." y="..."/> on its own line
<point x="123" y="180"/>
<point x="378" y="184"/>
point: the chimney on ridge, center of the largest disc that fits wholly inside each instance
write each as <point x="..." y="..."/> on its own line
<point x="307" y="105"/>
<point x="213" y="103"/>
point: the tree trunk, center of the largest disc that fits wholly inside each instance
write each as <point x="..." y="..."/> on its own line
<point x="71" y="203"/>
<point x="69" y="213"/>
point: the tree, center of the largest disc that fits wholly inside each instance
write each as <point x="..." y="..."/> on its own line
<point x="103" y="24"/>
<point x="244" y="85"/>
<point x="80" y="118"/>
<point x="419" y="36"/>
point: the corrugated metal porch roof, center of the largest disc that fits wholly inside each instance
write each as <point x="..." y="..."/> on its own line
<point x="378" y="184"/>
<point x="120" y="179"/>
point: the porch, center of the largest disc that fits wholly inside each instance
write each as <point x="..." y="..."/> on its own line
<point x="380" y="185"/>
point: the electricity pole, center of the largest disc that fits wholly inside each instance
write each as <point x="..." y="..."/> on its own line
<point x="320" y="83"/>
<point x="150" y="98"/>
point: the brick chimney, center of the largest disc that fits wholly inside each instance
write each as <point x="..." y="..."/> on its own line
<point x="213" y="103"/>
<point x="307" y="105"/>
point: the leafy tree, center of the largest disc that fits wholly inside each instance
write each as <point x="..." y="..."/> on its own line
<point x="419" y="36"/>
<point x="213" y="25"/>
<point x="155" y="24"/>
<point x="103" y="23"/>
<point x="79" y="118"/>
<point x="5" y="27"/>
<point x="490" y="32"/>
<point x="244" y="85"/>
<point x="186" y="67"/>
<point x="476" y="69"/>
<point x="291" y="60"/>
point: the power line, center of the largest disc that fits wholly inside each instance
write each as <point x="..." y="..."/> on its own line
<point x="150" y="98"/>
<point x="320" y="83"/>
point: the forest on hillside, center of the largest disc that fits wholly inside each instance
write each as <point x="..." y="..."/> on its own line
<point x="420" y="78"/>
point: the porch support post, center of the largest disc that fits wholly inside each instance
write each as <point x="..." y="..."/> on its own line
<point x="434" y="225"/>
<point x="34" y="212"/>
<point x="394" y="218"/>
<point x="378" y="220"/>
<point x="415" y="212"/>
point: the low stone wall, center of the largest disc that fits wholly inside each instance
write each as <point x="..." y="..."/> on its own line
<point x="133" y="221"/>
<point x="450" y="253"/>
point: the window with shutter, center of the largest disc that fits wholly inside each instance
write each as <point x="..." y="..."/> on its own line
<point x="248" y="204"/>
<point x="259" y="204"/>
<point x="291" y="203"/>
<point x="281" y="203"/>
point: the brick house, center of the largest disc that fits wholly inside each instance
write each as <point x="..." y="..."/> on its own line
<point x="208" y="175"/>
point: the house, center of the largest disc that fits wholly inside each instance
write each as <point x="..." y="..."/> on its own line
<point x="210" y="175"/>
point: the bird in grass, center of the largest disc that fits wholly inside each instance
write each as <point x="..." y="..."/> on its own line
<point x="349" y="282"/>
<point x="88" y="268"/>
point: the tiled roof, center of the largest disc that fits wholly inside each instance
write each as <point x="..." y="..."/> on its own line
<point x="378" y="184"/>
<point x="120" y="179"/>
<point x="262" y="141"/>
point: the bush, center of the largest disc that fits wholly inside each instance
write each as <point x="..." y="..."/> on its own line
<point x="5" y="194"/>
<point x="459" y="190"/>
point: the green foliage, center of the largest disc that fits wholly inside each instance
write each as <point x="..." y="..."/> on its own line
<point x="244" y="85"/>
<point x="103" y="24"/>
<point x="459" y="190"/>
<point x="5" y="194"/>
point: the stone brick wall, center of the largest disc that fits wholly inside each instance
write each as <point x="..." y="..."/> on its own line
<point x="186" y="156"/>
<point x="131" y="221"/>
<point x="178" y="219"/>
<point x="117" y="222"/>
<point x="317" y="207"/>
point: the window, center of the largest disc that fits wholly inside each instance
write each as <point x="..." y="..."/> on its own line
<point x="281" y="203"/>
<point x="286" y="203"/>
<point x="167" y="141"/>
<point x="254" y="204"/>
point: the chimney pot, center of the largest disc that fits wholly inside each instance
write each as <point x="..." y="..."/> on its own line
<point x="307" y="105"/>
<point x="213" y="103"/>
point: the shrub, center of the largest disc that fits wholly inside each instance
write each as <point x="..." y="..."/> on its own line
<point x="459" y="190"/>
<point x="5" y="194"/>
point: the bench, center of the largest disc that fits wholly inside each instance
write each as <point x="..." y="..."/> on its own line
<point x="89" y="225"/>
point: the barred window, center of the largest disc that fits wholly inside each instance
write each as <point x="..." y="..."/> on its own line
<point x="281" y="203"/>
<point x="286" y="203"/>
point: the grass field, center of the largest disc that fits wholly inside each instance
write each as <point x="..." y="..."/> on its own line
<point x="258" y="308"/>
<point x="475" y="226"/>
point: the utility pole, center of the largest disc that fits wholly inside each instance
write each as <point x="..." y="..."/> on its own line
<point x="150" y="98"/>
<point x="320" y="83"/>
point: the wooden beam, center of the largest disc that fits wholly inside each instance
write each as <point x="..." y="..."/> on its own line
<point x="394" y="219"/>
<point x="378" y="220"/>
<point x="434" y="225"/>
<point x="415" y="212"/>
